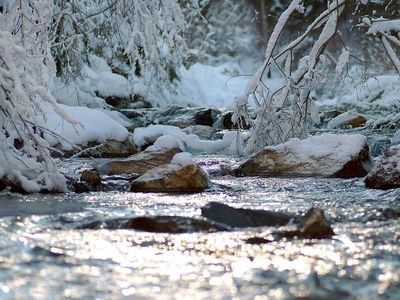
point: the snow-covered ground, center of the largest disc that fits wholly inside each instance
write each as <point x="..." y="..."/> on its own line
<point x="173" y="137"/>
<point x="92" y="125"/>
<point x="380" y="92"/>
<point x="207" y="85"/>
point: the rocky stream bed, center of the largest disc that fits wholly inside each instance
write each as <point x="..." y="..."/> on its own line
<point x="255" y="237"/>
<point x="66" y="246"/>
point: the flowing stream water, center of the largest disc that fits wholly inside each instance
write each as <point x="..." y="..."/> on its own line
<point x="43" y="254"/>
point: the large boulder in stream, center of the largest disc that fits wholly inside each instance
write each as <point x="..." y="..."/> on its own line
<point x="386" y="174"/>
<point x="182" y="175"/>
<point x="342" y="156"/>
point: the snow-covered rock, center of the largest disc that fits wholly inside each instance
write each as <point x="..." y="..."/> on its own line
<point x="386" y="174"/>
<point x="343" y="156"/>
<point x="182" y="175"/>
<point x="87" y="125"/>
<point x="139" y="163"/>
<point x="350" y="118"/>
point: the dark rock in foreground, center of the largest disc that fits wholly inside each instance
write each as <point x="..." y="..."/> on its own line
<point x="159" y="224"/>
<point x="241" y="217"/>
<point x="386" y="174"/>
<point x="313" y="225"/>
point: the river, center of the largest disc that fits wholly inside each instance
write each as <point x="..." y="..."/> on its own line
<point x="44" y="254"/>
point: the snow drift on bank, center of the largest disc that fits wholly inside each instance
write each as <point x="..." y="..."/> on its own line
<point x="92" y="125"/>
<point x="164" y="136"/>
<point x="380" y="92"/>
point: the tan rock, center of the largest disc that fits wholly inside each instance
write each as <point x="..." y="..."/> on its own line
<point x="139" y="163"/>
<point x="114" y="148"/>
<point x="172" y="178"/>
<point x="91" y="177"/>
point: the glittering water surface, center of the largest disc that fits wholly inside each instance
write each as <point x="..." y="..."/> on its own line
<point x="43" y="255"/>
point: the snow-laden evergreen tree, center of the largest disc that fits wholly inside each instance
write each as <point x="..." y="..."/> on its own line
<point x="138" y="39"/>
<point x="25" y="67"/>
<point x="141" y="40"/>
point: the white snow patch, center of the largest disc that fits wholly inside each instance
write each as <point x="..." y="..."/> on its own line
<point x="94" y="125"/>
<point x="377" y="92"/>
<point x="111" y="84"/>
<point x="337" y="147"/>
<point x="187" y="142"/>
<point x="206" y="85"/>
<point x="183" y="159"/>
<point x="379" y="26"/>
<point x="73" y="95"/>
<point x="166" y="142"/>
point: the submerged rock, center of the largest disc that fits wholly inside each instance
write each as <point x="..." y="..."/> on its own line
<point x="386" y="174"/>
<point x="139" y="163"/>
<point x="177" y="177"/>
<point x="342" y="156"/>
<point x="160" y="224"/>
<point x="241" y="217"/>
